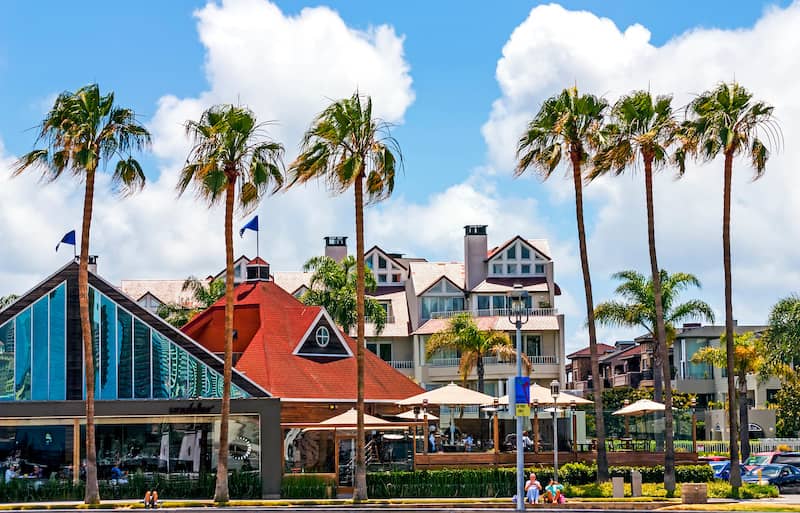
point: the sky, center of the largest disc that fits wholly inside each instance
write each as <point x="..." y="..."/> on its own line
<point x="457" y="81"/>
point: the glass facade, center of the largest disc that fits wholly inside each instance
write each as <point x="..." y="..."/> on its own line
<point x="132" y="360"/>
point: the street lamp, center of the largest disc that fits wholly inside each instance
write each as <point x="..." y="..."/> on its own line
<point x="694" y="424"/>
<point x="535" y="424"/>
<point x="554" y="391"/>
<point x="572" y="406"/>
<point x="518" y="311"/>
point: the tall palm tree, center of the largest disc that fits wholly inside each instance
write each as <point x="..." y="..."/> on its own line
<point x="726" y="120"/>
<point x="474" y="344"/>
<point x="231" y="153"/>
<point x="569" y="125"/>
<point x="641" y="130"/>
<point x="333" y="285"/>
<point x="82" y="130"/>
<point x="347" y="147"/>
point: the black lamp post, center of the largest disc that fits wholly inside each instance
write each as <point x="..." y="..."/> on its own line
<point x="555" y="389"/>
<point x="518" y="315"/>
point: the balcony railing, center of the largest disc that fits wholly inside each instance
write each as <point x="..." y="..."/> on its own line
<point x="495" y="312"/>
<point x="492" y="360"/>
<point x="402" y="364"/>
<point x="389" y="320"/>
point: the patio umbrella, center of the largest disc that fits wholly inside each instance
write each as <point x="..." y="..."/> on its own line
<point x="449" y="395"/>
<point x="349" y="418"/>
<point x="640" y="407"/>
<point x="542" y="394"/>
<point x="409" y="415"/>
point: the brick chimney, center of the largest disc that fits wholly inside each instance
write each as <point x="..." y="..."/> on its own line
<point x="475" y="250"/>
<point x="336" y="247"/>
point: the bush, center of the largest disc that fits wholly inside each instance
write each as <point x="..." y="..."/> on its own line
<point x="722" y="490"/>
<point x="307" y="486"/>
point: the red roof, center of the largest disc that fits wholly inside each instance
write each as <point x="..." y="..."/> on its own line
<point x="270" y="325"/>
<point x="257" y="261"/>
<point x="584" y="353"/>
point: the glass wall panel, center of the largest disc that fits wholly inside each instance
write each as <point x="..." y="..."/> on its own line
<point x="195" y="378"/>
<point x="160" y="366"/>
<point x="141" y="360"/>
<point x="125" y="351"/>
<point x="7" y="361"/>
<point x="22" y="356"/>
<point x="58" y="355"/>
<point x="109" y="362"/>
<point x="94" y="319"/>
<point x="40" y="368"/>
<point x="179" y="377"/>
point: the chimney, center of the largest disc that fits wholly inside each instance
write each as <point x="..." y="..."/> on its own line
<point x="475" y="250"/>
<point x="93" y="264"/>
<point x="257" y="270"/>
<point x="336" y="248"/>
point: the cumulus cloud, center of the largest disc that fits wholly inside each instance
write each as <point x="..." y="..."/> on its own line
<point x="555" y="48"/>
<point x="287" y="69"/>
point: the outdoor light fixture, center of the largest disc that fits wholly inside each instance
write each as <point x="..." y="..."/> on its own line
<point x="517" y="299"/>
<point x="555" y="388"/>
<point x="572" y="406"/>
<point x="535" y="424"/>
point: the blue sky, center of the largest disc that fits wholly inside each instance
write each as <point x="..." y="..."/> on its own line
<point x="450" y="122"/>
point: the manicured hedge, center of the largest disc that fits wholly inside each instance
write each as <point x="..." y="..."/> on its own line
<point x="500" y="482"/>
<point x="307" y="486"/>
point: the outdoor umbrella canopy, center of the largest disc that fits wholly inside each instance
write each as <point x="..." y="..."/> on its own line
<point x="349" y="418"/>
<point x="640" y="407"/>
<point x="409" y="415"/>
<point x="450" y="395"/>
<point x="542" y="394"/>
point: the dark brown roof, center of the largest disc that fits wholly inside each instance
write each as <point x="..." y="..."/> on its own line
<point x="623" y="354"/>
<point x="602" y="349"/>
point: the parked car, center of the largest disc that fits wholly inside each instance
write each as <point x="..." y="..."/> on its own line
<point x="774" y="457"/>
<point x="785" y="477"/>
<point x="722" y="469"/>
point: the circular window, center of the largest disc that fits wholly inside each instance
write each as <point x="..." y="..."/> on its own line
<point x="323" y="336"/>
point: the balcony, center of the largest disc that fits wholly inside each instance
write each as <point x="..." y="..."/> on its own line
<point x="402" y="364"/>
<point x="495" y="312"/>
<point x="492" y="360"/>
<point x="389" y="320"/>
<point x="629" y="379"/>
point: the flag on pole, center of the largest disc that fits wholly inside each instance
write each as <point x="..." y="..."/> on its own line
<point x="68" y="238"/>
<point x="252" y="225"/>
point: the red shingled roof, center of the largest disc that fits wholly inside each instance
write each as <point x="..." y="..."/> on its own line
<point x="601" y="350"/>
<point x="270" y="324"/>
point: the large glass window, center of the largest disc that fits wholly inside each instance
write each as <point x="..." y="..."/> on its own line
<point x="22" y="356"/>
<point x="696" y="370"/>
<point x="7" y="361"/>
<point x="533" y="345"/>
<point x="525" y="253"/>
<point x="483" y="302"/>
<point x="141" y="360"/>
<point x="108" y="349"/>
<point x="125" y="351"/>
<point x="58" y="349"/>
<point x="160" y="362"/>
<point x="40" y="369"/>
<point x="436" y="304"/>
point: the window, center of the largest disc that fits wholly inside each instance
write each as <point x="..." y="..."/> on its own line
<point x="497" y="268"/>
<point x="381" y="263"/>
<point x="368" y="262"/>
<point x="382" y="278"/>
<point x="511" y="253"/>
<point x="483" y="302"/>
<point x="322" y="336"/>
<point x="432" y="305"/>
<point x="383" y="350"/>
<point x="525" y="253"/>
<point x="533" y="345"/>
<point x="512" y="268"/>
<point x="498" y="302"/>
<point x="539" y="268"/>
<point x="395" y="278"/>
<point x="525" y="269"/>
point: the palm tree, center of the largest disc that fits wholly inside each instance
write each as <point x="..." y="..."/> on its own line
<point x="749" y="357"/>
<point x="641" y="130"/>
<point x="7" y="300"/>
<point x="726" y="120"/>
<point x="81" y="130"/>
<point x="783" y="336"/>
<point x="474" y="344"/>
<point x="569" y="125"/>
<point x="333" y="286"/>
<point x="204" y="294"/>
<point x="230" y="152"/>
<point x="347" y="147"/>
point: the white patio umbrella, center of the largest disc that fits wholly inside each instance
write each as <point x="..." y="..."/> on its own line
<point x="347" y="420"/>
<point x="640" y="407"/>
<point x="542" y="394"/>
<point x="409" y="415"/>
<point x="449" y="395"/>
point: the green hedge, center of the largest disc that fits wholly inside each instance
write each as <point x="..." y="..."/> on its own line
<point x="500" y="482"/>
<point x="241" y="485"/>
<point x="307" y="486"/>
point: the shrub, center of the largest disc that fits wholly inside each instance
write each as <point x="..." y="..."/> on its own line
<point x="307" y="486"/>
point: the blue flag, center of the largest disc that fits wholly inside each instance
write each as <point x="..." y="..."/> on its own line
<point x="68" y="238"/>
<point x="252" y="225"/>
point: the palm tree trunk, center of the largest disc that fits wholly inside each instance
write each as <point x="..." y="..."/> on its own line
<point x="658" y="372"/>
<point x="92" y="494"/>
<point x="360" y="477"/>
<point x="602" y="460"/>
<point x="221" y="492"/>
<point x="735" y="477"/>
<point x="744" y="416"/>
<point x="661" y="332"/>
<point x="481" y="371"/>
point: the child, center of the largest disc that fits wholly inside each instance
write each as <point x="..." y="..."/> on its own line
<point x="554" y="493"/>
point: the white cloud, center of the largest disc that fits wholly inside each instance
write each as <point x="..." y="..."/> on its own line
<point x="286" y="68"/>
<point x="555" y="48"/>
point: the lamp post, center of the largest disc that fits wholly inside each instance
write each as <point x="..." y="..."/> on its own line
<point x="572" y="406"/>
<point x="554" y="390"/>
<point x="627" y="402"/>
<point x="495" y="426"/>
<point x="535" y="425"/>
<point x="694" y="425"/>
<point x="518" y="311"/>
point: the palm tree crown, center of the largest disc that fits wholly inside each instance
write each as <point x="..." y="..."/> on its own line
<point x="474" y="344"/>
<point x="638" y="307"/>
<point x="230" y="147"/>
<point x="333" y="285"/>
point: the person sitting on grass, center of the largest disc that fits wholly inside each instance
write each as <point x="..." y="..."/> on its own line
<point x="533" y="489"/>
<point x="554" y="493"/>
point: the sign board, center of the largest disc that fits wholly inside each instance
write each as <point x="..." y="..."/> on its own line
<point x="522" y="390"/>
<point x="522" y="410"/>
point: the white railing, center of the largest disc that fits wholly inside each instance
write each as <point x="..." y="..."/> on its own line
<point x="444" y="362"/>
<point x="721" y="446"/>
<point x="402" y="364"/>
<point x="492" y="360"/>
<point x="495" y="312"/>
<point x="389" y="320"/>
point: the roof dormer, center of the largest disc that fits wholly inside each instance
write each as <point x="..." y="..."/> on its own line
<point x="257" y="270"/>
<point x="385" y="267"/>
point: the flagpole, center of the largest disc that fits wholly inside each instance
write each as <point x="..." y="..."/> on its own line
<point x="257" y="244"/>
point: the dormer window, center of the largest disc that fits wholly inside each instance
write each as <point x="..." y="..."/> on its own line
<point x="539" y="268"/>
<point x="511" y="254"/>
<point x="381" y="263"/>
<point x="525" y="253"/>
<point x="497" y="268"/>
<point x="383" y="266"/>
<point x="322" y="336"/>
<point x="519" y="259"/>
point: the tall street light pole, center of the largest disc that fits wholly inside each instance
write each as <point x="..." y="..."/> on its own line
<point x="519" y="311"/>
<point x="555" y="387"/>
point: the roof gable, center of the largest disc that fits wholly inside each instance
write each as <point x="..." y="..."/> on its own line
<point x="531" y="244"/>
<point x="323" y="338"/>
<point x="450" y="287"/>
<point x="378" y="250"/>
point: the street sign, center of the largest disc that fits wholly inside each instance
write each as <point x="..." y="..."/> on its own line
<point x="522" y="390"/>
<point x="523" y="410"/>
